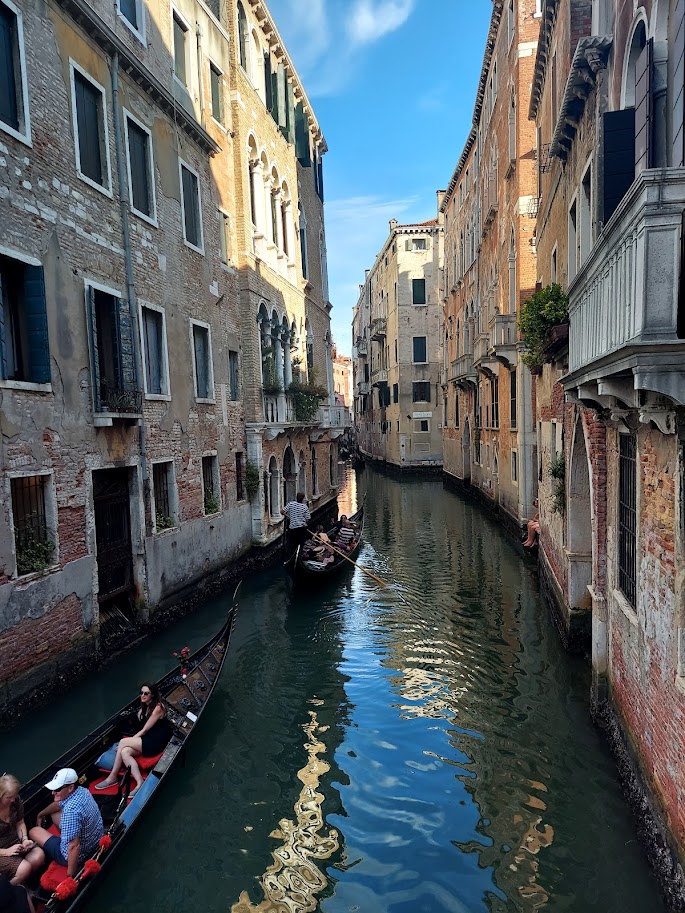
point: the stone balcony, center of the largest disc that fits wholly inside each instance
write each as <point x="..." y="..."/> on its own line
<point x="362" y="347"/>
<point x="335" y="417"/>
<point x="363" y="387"/>
<point x="379" y="328"/>
<point x="483" y="360"/>
<point x="503" y="333"/>
<point x="379" y="376"/>
<point x="462" y="370"/>
<point x="624" y="349"/>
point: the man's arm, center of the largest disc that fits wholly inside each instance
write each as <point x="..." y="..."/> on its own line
<point x="72" y="856"/>
<point x="48" y="810"/>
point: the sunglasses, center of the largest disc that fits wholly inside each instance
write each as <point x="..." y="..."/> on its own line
<point x="146" y="692"/>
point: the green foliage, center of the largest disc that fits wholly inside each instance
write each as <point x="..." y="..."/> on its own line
<point x="545" y="309"/>
<point x="271" y="385"/>
<point x="34" y="556"/>
<point x="306" y="399"/>
<point x="163" y="522"/>
<point x="251" y="480"/>
<point x="557" y="470"/>
<point x="211" y="503"/>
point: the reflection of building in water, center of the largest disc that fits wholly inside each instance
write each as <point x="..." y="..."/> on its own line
<point x="293" y="883"/>
<point x="459" y="662"/>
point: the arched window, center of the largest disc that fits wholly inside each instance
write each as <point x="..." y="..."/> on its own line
<point x="512" y="126"/>
<point x="310" y="350"/>
<point x="274" y="500"/>
<point x="303" y="242"/>
<point x="512" y="273"/>
<point x="253" y="163"/>
<point x="285" y="219"/>
<point x="273" y="202"/>
<point x="302" y="474"/>
<point x="256" y="71"/>
<point x="289" y="476"/>
<point x="637" y="46"/>
<point x="242" y="36"/>
<point x="315" y="473"/>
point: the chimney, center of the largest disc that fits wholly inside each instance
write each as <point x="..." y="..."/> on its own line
<point x="393" y="224"/>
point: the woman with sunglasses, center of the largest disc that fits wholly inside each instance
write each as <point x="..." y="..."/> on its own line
<point x="149" y="741"/>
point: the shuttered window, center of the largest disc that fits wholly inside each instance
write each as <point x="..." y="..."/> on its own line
<point x="24" y="349"/>
<point x="619" y="157"/>
<point x="418" y="291"/>
<point x="643" y="109"/>
<point x="242" y="36"/>
<point x="90" y="128"/>
<point x="192" y="221"/>
<point x="419" y="349"/>
<point x="155" y="356"/>
<point x="421" y="391"/>
<point x="114" y="369"/>
<point x="203" y="369"/>
<point x="140" y="161"/>
<point x="10" y="81"/>
<point x="233" y="375"/>
<point x="215" y="79"/>
<point x="302" y="149"/>
<point x="268" y="88"/>
<point x="180" y="50"/>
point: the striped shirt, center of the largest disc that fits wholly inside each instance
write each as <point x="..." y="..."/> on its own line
<point x="80" y="818"/>
<point x="345" y="534"/>
<point x="298" y="514"/>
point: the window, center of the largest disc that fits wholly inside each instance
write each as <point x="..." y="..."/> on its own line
<point x="419" y="350"/>
<point x="418" y="244"/>
<point x="572" y="241"/>
<point x="114" y="370"/>
<point x="242" y="36"/>
<point x="239" y="477"/>
<point x="24" y="348"/>
<point x="303" y="242"/>
<point x="395" y="393"/>
<point x="395" y="351"/>
<point x="418" y="291"/>
<point x="421" y="426"/>
<point x="510" y="21"/>
<point x="156" y="369"/>
<point x="585" y="217"/>
<point x="456" y="409"/>
<point x="133" y="14"/>
<point x="315" y="472"/>
<point x="514" y="466"/>
<point x="180" y="49"/>
<point x="14" y="95"/>
<point x="512" y="398"/>
<point x="553" y="265"/>
<point x="421" y="391"/>
<point x="162" y="487"/>
<point x="494" y="402"/>
<point x="210" y="485"/>
<point x="627" y="518"/>
<point x="141" y="173"/>
<point x="33" y="543"/>
<point x="191" y="212"/>
<point x="224" y="236"/>
<point x="90" y="130"/>
<point x="202" y="361"/>
<point x="233" y="376"/>
<point x="513" y="291"/>
<point x="216" y="84"/>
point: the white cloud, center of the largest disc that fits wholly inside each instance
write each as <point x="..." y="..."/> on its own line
<point x="370" y="20"/>
<point x="307" y="37"/>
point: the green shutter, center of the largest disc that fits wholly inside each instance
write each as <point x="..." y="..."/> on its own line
<point x="127" y="362"/>
<point x="302" y="150"/>
<point x="289" y="132"/>
<point x="282" y="90"/>
<point x="36" y="325"/>
<point x="268" y="83"/>
<point x="274" y="96"/>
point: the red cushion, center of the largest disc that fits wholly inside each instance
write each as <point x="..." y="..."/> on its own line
<point x="53" y="876"/>
<point x="148" y="763"/>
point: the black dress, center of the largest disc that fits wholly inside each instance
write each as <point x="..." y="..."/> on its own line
<point x="154" y="741"/>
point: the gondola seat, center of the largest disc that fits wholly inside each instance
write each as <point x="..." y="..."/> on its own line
<point x="55" y="873"/>
<point x="106" y="759"/>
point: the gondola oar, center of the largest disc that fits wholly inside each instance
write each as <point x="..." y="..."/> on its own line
<point x="343" y="555"/>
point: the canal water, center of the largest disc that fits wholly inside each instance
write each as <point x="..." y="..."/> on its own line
<point x="420" y="748"/>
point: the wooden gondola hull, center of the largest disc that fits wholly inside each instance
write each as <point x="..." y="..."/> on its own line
<point x="185" y="699"/>
<point x="310" y="578"/>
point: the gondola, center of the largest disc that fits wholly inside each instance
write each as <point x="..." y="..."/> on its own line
<point x="304" y="575"/>
<point x="186" y="692"/>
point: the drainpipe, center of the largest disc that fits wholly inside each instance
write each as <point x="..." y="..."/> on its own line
<point x="130" y="288"/>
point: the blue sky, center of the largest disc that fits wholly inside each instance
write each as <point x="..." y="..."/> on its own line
<point x="393" y="85"/>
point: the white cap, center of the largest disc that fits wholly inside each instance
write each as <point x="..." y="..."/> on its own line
<point x="63" y="777"/>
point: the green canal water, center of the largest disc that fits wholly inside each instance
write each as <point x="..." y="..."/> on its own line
<point x="423" y="748"/>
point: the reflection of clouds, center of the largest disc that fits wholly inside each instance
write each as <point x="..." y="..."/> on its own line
<point x="292" y="883"/>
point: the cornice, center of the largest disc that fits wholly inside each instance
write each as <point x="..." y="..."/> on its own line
<point x="547" y="22"/>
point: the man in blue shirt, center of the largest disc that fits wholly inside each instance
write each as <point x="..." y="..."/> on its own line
<point x="76" y="814"/>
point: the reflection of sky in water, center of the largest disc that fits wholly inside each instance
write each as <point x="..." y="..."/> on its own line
<point x="420" y="748"/>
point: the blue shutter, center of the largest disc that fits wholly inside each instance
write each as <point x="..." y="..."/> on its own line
<point x="9" y="113"/>
<point x="36" y="325"/>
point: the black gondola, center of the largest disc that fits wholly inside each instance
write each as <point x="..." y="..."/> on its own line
<point x="185" y="698"/>
<point x="304" y="574"/>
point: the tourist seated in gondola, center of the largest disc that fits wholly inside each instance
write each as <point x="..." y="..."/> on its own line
<point x="321" y="535"/>
<point x="19" y="856"/>
<point x="346" y="534"/>
<point x="76" y="815"/>
<point x="150" y="740"/>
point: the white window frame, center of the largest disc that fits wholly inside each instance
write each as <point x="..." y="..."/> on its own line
<point x="515" y="463"/>
<point x="213" y="65"/>
<point x="182" y="164"/>
<point x="175" y="12"/>
<point x="173" y="497"/>
<point x="140" y="32"/>
<point x="151" y="220"/>
<point x="24" y="137"/>
<point x="25" y="385"/>
<point x="417" y="425"/>
<point x="107" y="191"/>
<point x="202" y="399"/>
<point x="165" y="351"/>
<point x="584" y="216"/>
<point x="554" y="265"/>
<point x="51" y="516"/>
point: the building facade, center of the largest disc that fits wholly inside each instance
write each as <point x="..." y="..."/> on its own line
<point x="489" y="218"/>
<point x="141" y="285"/>
<point x="396" y="332"/>
<point x="607" y="101"/>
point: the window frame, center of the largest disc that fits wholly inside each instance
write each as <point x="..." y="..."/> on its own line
<point x="181" y="165"/>
<point x="140" y="32"/>
<point x="221" y="120"/>
<point x="51" y="517"/>
<point x="165" y="397"/>
<point x="514" y="467"/>
<point x="23" y="90"/>
<point x="150" y="219"/>
<point x="173" y="496"/>
<point x="425" y="292"/>
<point x="224" y="220"/>
<point x="216" y="481"/>
<point x="25" y="385"/>
<point x="238" y="389"/>
<point x="413" y="350"/>
<point x="104" y="140"/>
<point x="210" y="361"/>
<point x="414" y="385"/>
<point x="185" y="24"/>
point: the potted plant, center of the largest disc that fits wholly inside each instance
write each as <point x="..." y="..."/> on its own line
<point x="34" y="555"/>
<point x="307" y="398"/>
<point x="539" y="315"/>
<point x="251" y="480"/>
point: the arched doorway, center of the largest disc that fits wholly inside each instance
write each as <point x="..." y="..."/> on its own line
<point x="274" y="500"/>
<point x="466" y="452"/>
<point x="579" y="514"/>
<point x="289" y="476"/>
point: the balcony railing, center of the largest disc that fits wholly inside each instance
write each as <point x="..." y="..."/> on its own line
<point x="623" y="304"/>
<point x="279" y="409"/>
<point x="335" y="417"/>
<point x="463" y="369"/>
<point x="481" y="347"/>
<point x="379" y="376"/>
<point x="503" y="338"/>
<point x="362" y="346"/>
<point x="363" y="387"/>
<point x="114" y="402"/>
<point x="379" y="328"/>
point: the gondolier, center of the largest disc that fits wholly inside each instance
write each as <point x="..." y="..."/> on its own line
<point x="298" y="516"/>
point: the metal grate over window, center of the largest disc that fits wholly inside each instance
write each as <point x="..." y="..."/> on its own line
<point x="627" y="518"/>
<point x="28" y="510"/>
<point x="160" y="479"/>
